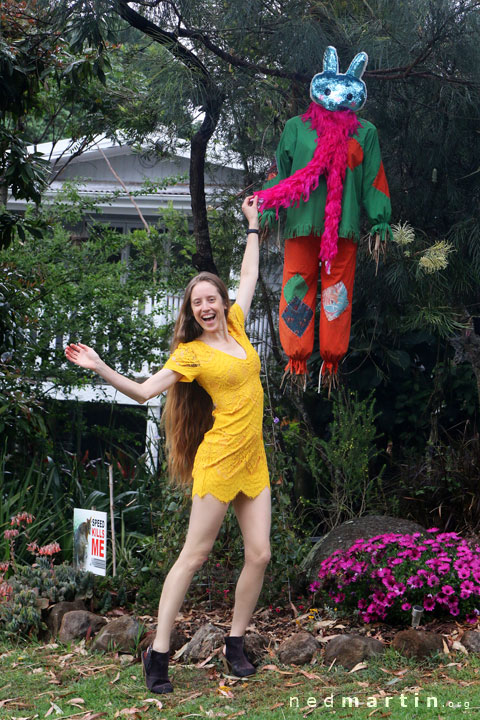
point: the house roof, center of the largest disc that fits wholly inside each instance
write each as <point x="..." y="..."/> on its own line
<point x="95" y="178"/>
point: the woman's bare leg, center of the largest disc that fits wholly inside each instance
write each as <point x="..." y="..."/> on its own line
<point x="206" y="517"/>
<point x="253" y="517"/>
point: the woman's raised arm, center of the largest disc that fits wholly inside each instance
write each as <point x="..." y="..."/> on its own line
<point x="249" y="271"/>
<point x="88" y="358"/>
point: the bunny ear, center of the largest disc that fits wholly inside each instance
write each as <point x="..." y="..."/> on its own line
<point x="358" y="65"/>
<point x="330" y="60"/>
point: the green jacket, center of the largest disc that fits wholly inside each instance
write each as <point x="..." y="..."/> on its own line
<point x="365" y="183"/>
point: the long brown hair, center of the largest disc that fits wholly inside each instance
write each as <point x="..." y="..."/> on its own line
<point x="188" y="410"/>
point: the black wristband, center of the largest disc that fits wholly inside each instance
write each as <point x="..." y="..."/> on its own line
<point x="252" y="230"/>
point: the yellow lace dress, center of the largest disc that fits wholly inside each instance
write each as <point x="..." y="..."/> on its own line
<point x="231" y="457"/>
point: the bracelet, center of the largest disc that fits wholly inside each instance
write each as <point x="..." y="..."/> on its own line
<point x="252" y="230"/>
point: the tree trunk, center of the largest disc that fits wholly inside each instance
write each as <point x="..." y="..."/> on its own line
<point x="213" y="101"/>
<point x="203" y="258"/>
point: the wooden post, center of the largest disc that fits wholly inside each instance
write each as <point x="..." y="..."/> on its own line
<point x="112" y="521"/>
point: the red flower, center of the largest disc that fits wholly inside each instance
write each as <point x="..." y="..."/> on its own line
<point x="10" y="534"/>
<point x="50" y="549"/>
<point x="22" y="518"/>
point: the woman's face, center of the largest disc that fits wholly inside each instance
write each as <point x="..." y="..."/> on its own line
<point x="208" y="307"/>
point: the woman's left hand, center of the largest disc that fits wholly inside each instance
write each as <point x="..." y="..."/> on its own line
<point x="250" y="210"/>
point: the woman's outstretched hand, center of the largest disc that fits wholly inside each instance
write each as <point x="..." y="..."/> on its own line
<point x="82" y="355"/>
<point x="250" y="210"/>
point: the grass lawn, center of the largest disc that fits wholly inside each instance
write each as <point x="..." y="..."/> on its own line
<point x="54" y="681"/>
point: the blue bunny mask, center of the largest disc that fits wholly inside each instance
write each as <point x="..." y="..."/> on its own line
<point x="337" y="91"/>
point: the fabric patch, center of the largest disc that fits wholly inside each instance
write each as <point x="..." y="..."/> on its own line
<point x="296" y="287"/>
<point x="355" y="154"/>
<point x="297" y="316"/>
<point x="380" y="182"/>
<point x="335" y="300"/>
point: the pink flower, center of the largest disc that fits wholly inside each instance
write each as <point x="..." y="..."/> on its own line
<point x="448" y="590"/>
<point x="395" y="561"/>
<point x="428" y="603"/>
<point x="10" y="534"/>
<point x="432" y="580"/>
<point x="22" y="518"/>
<point x="406" y="606"/>
<point x="415" y="581"/>
<point x="50" y="549"/>
<point x="384" y="573"/>
<point x="5" y="590"/>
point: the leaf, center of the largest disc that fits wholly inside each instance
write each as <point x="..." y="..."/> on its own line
<point x="180" y="652"/>
<point x="77" y="702"/>
<point x="275" y="669"/>
<point x="310" y="676"/>
<point x="204" y="662"/>
<point x="457" y="645"/>
<point x="158" y="704"/>
<point x="359" y="666"/>
<point x="131" y="712"/>
<point x="393" y="681"/>
<point x="223" y="690"/>
<point x="324" y="623"/>
<point x="327" y="638"/>
<point x="54" y="707"/>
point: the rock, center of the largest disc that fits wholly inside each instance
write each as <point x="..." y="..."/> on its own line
<point x="177" y="640"/>
<point x="121" y="635"/>
<point x="55" y="616"/>
<point x="207" y="639"/>
<point x="76" y="624"/>
<point x="255" y="646"/>
<point x="298" y="649"/>
<point x="343" y="536"/>
<point x="471" y="641"/>
<point x="126" y="659"/>
<point x="349" y="650"/>
<point x="417" y="643"/>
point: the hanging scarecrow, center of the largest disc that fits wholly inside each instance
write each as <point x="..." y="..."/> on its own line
<point x="329" y="165"/>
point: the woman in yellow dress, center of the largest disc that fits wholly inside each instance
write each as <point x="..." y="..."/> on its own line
<point x="213" y="422"/>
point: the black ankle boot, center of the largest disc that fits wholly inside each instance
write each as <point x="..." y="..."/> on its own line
<point x="236" y="659"/>
<point x="155" y="669"/>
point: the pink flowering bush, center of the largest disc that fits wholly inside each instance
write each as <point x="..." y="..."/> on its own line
<point x="382" y="578"/>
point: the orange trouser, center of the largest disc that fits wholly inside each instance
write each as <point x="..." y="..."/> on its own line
<point x="298" y="299"/>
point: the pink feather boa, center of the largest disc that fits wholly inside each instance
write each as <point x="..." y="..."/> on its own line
<point x="334" y="129"/>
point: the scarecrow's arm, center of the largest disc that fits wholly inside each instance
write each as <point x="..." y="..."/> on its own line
<point x="284" y="157"/>
<point x="375" y="192"/>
